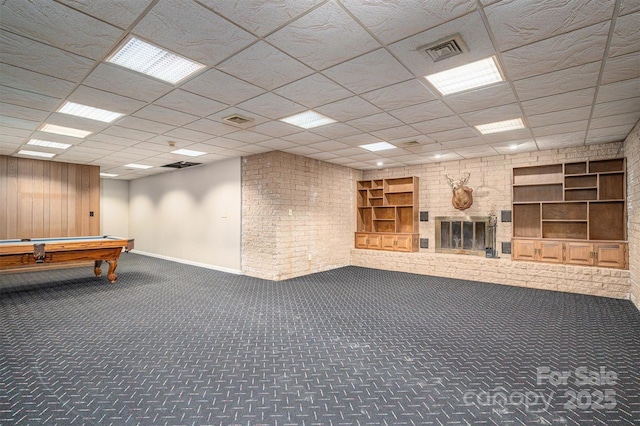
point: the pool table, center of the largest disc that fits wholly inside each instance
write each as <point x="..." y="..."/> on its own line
<point x="27" y="253"/>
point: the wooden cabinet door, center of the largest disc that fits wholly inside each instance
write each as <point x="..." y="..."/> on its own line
<point x="361" y="241"/>
<point x="388" y="242"/>
<point x="577" y="253"/>
<point x="549" y="251"/>
<point x="610" y="255"/>
<point x="405" y="243"/>
<point x="524" y="250"/>
<point x="374" y="242"/>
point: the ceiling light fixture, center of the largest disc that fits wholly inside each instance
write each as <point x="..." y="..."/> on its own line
<point x="378" y="146"/>
<point x="65" y="131"/>
<point x="188" y="152"/>
<point x="86" y="111"/>
<point x="151" y="60"/>
<point x="466" y="77"/>
<point x="36" y="153"/>
<point x="308" y="120"/>
<point x="108" y="175"/>
<point x="48" y="144"/>
<point x="138" y="166"/>
<point x="500" y="126"/>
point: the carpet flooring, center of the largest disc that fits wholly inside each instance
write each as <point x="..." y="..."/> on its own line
<point x="173" y="344"/>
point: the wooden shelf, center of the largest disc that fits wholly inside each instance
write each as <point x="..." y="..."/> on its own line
<point x="387" y="212"/>
<point x="580" y="201"/>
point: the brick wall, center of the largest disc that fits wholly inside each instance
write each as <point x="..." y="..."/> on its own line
<point x="316" y="236"/>
<point x="632" y="152"/>
<point x="491" y="181"/>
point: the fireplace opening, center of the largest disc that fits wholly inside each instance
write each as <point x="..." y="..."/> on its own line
<point x="463" y="235"/>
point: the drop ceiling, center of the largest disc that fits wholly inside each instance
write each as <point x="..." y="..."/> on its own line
<point x="572" y="71"/>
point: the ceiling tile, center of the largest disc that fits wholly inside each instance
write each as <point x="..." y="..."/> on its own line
<point x="629" y="6"/>
<point x="28" y="99"/>
<point x="76" y="122"/>
<point x="567" y="80"/>
<point x="225" y="143"/>
<point x="313" y="91"/>
<point x="335" y="130"/>
<point x="260" y="16"/>
<point x="181" y="100"/>
<point x="440" y="124"/>
<point x="492" y="115"/>
<point x="222" y="87"/>
<point x="248" y="136"/>
<point x="301" y="150"/>
<point x="276" y="129"/>
<point x="554" y="129"/>
<point x="18" y="123"/>
<point x="114" y="79"/>
<point x="511" y="135"/>
<point x="609" y="134"/>
<point x="304" y="138"/>
<point x="324" y="37"/>
<point x="119" y="13"/>
<point x="391" y="21"/>
<point x="26" y="113"/>
<point x="457" y="144"/>
<point x="621" y="68"/>
<point x="561" y="140"/>
<point x="626" y="35"/>
<point x="375" y="122"/>
<point x="563" y="51"/>
<point x="86" y="95"/>
<point x="476" y="151"/>
<point x="395" y="133"/>
<point x="192" y="31"/>
<point x="629" y="118"/>
<point x="557" y="117"/>
<point x="422" y="112"/>
<point x="369" y="72"/>
<point x="559" y="102"/>
<point x="211" y="127"/>
<point x="265" y="66"/>
<point x="617" y="107"/>
<point x="188" y="134"/>
<point x="127" y="133"/>
<point x="278" y="144"/>
<point x="400" y="95"/>
<point x="453" y="135"/>
<point x="519" y="22"/>
<point x="473" y="100"/>
<point x="29" y="81"/>
<point x="348" y="109"/>
<point x="28" y="54"/>
<point x="619" y="90"/>
<point x="515" y="147"/>
<point x="60" y="26"/>
<point x="165" y="115"/>
<point x="137" y="123"/>
<point x="272" y="106"/>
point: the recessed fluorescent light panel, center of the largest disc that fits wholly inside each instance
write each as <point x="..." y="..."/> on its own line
<point x="108" y="174"/>
<point x="308" y="120"/>
<point x="65" y="131"/>
<point x="188" y="152"/>
<point x="138" y="166"/>
<point x="151" y="60"/>
<point x="92" y="113"/>
<point x="48" y="144"/>
<point x="466" y="77"/>
<point x="36" y="153"/>
<point x="378" y="146"/>
<point x="500" y="126"/>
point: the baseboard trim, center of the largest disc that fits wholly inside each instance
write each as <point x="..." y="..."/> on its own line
<point x="188" y="262"/>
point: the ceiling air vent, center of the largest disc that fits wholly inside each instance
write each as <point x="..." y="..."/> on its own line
<point x="237" y="119"/>
<point x="409" y="143"/>
<point x="181" y="164"/>
<point x="445" y="48"/>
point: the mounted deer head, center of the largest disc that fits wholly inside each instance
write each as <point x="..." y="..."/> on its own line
<point x="462" y="195"/>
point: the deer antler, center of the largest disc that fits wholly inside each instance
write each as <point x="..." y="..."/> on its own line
<point x="450" y="180"/>
<point x="464" y="180"/>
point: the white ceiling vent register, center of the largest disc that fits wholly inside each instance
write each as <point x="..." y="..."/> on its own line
<point x="237" y="119"/>
<point x="445" y="48"/>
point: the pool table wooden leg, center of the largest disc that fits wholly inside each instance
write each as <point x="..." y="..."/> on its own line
<point x="111" y="275"/>
<point x="96" y="268"/>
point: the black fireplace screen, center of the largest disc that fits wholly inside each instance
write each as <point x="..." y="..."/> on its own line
<point x="464" y="235"/>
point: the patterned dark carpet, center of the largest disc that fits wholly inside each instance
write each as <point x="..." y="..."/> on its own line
<point x="171" y="344"/>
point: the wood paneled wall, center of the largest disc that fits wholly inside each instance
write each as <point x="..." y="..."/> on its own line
<point x="41" y="199"/>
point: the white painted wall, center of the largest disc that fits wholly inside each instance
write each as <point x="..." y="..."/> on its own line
<point x="191" y="215"/>
<point x="114" y="207"/>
